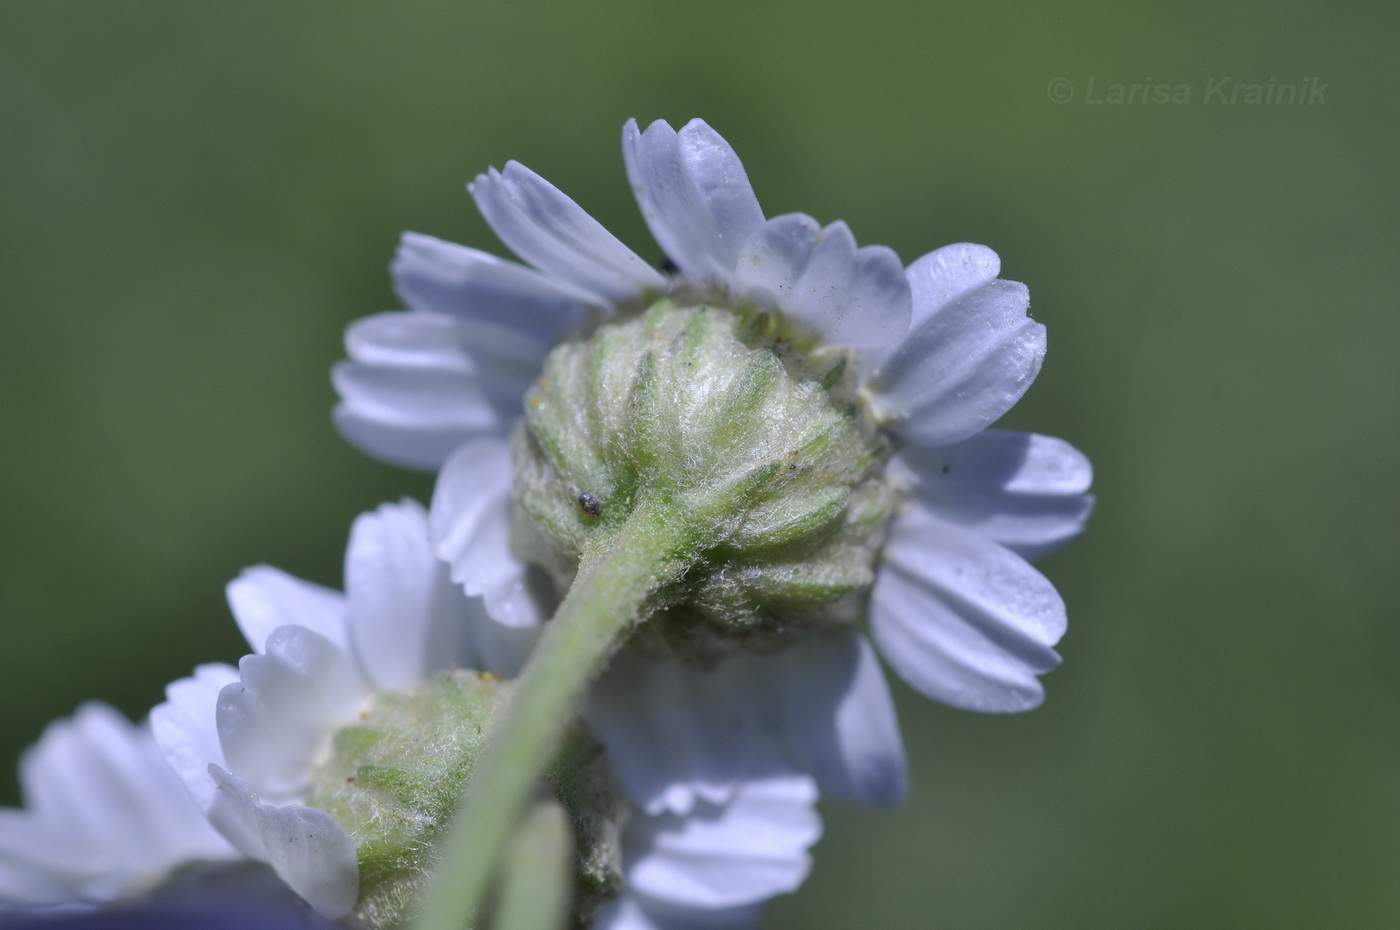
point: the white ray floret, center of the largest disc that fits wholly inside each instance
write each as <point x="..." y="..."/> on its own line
<point x="105" y="817"/>
<point x="246" y="741"/>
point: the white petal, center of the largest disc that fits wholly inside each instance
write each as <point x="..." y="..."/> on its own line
<point x="946" y="274"/>
<point x="419" y="384"/>
<point x="396" y="444"/>
<point x="773" y="259"/>
<point x="263" y="598"/>
<point x="443" y="277"/>
<point x="306" y="847"/>
<point x="33" y="871"/>
<point x="329" y="667"/>
<point x="938" y="278"/>
<point x="94" y="775"/>
<point x="186" y="728"/>
<point x="470" y="524"/>
<point x="856" y="298"/>
<point x="180" y="829"/>
<point x="407" y="619"/>
<point x="1022" y="490"/>
<point x="414" y="409"/>
<point x="852" y="297"/>
<point x="41" y="862"/>
<point x="268" y="748"/>
<point x="694" y="195"/>
<point x="498" y="362"/>
<point x="55" y="773"/>
<point x="626" y="913"/>
<point x="88" y="775"/>
<point x="677" y="735"/>
<point x="146" y="817"/>
<point x="879" y="310"/>
<point x="102" y="782"/>
<point x="106" y="815"/>
<point x="822" y="293"/>
<point x="638" y="912"/>
<point x="430" y="402"/>
<point x="729" y="855"/>
<point x="840" y="719"/>
<point x="963" y="367"/>
<point x="639" y="710"/>
<point x="554" y="234"/>
<point x="276" y="718"/>
<point x="962" y="619"/>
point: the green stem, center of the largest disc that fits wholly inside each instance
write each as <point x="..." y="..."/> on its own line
<point x="538" y="872"/>
<point x="618" y="573"/>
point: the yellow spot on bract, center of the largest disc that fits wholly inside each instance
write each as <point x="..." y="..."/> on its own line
<point x="486" y="676"/>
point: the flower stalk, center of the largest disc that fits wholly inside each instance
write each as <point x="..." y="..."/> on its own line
<point x="618" y="573"/>
<point x="535" y="889"/>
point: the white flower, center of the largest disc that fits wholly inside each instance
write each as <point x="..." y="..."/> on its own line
<point x="106" y="817"/>
<point x="716" y="865"/>
<point x="245" y="741"/>
<point x="946" y="347"/>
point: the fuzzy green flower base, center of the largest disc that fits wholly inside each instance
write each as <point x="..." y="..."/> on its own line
<point x="395" y="779"/>
<point x="759" y="444"/>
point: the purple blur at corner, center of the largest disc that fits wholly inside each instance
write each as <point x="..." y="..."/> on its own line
<point x="223" y="915"/>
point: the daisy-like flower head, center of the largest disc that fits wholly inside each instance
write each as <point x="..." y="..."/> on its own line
<point x="337" y="751"/>
<point x="106" y="817"/>
<point x="937" y="352"/>
<point x="248" y="742"/>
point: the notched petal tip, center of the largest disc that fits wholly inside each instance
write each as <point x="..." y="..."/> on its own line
<point x="263" y="598"/>
<point x="469" y="524"/>
<point x="554" y="234"/>
<point x="1023" y="490"/>
<point x="963" y="367"/>
<point x="855" y="297"/>
<point x="694" y="195"/>
<point x="306" y="847"/>
<point x="728" y="855"/>
<point x="945" y="274"/>
<point x="963" y="619"/>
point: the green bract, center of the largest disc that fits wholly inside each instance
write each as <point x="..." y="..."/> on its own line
<point x="742" y="434"/>
<point x="395" y="779"/>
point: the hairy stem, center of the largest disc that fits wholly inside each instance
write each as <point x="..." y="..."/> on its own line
<point x="620" y="569"/>
<point x="538" y="872"/>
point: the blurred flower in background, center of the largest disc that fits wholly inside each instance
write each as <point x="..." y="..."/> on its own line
<point x="105" y="817"/>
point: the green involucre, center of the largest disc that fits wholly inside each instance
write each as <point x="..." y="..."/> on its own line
<point x="753" y="438"/>
<point x="395" y="779"/>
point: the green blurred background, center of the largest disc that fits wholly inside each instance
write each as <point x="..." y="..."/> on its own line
<point x="195" y="198"/>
